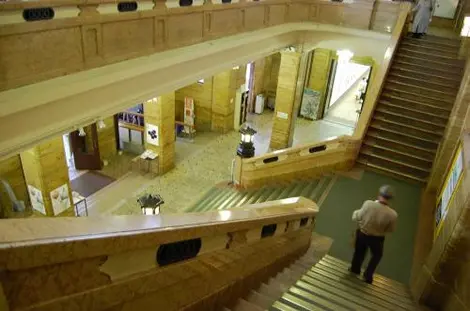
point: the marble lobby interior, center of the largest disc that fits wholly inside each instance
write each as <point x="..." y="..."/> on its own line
<point x="199" y="166"/>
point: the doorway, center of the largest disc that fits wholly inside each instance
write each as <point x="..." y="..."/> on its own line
<point x="346" y="92"/>
<point x="85" y="148"/>
<point x="243" y="98"/>
<point x="131" y="128"/>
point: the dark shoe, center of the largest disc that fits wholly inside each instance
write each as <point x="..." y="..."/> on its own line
<point x="416" y="35"/>
<point x="368" y="280"/>
<point x="354" y="272"/>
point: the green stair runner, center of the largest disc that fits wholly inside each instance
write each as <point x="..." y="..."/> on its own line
<point x="223" y="198"/>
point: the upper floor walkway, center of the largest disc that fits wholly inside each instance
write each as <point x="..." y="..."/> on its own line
<point x="87" y="60"/>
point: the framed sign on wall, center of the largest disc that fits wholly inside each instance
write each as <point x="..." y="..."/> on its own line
<point x="152" y="134"/>
<point x="444" y="200"/>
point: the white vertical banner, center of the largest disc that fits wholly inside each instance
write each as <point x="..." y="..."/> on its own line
<point x="188" y="113"/>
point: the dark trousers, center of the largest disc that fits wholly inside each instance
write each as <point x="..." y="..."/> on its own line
<point x="363" y="243"/>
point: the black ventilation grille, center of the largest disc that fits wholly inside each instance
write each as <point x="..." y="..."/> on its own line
<point x="178" y="251"/>
<point x="38" y="14"/>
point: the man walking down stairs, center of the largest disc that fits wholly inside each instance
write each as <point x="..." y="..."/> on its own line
<point x="320" y="282"/>
<point x="414" y="107"/>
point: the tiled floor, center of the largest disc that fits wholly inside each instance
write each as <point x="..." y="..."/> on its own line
<point x="199" y="166"/>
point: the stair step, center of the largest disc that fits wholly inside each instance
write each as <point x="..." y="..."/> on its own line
<point x="206" y="198"/>
<point x="271" y="292"/>
<point x="433" y="65"/>
<point x="440" y="50"/>
<point x="280" y="306"/>
<point x="396" y="157"/>
<point x="419" y="91"/>
<point x="381" y="279"/>
<point x="231" y="200"/>
<point x="328" y="284"/>
<point x="399" y="124"/>
<point x="354" y="283"/>
<point x="318" y="190"/>
<point x="394" y="171"/>
<point x="260" y="300"/>
<point x="341" y="297"/>
<point x="412" y="157"/>
<point x="298" y="190"/>
<point x="246" y="197"/>
<point x="435" y="41"/>
<point x="309" y="188"/>
<point x="434" y="77"/>
<point x="389" y="159"/>
<point x="299" y="304"/>
<point x="423" y="124"/>
<point x="417" y="67"/>
<point x="287" y="191"/>
<point x="433" y="102"/>
<point x="243" y="305"/>
<point x="312" y="299"/>
<point x="426" y="82"/>
<point x="410" y="112"/>
<point x="400" y="135"/>
<point x="211" y="204"/>
<point x="429" y="56"/>
<point x="262" y="198"/>
<point x="399" y="145"/>
<point x="275" y="194"/>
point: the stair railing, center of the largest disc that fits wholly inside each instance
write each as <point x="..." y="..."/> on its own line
<point x="379" y="78"/>
<point x="305" y="161"/>
<point x="138" y="260"/>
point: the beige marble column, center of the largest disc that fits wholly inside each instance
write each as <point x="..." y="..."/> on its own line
<point x="159" y="114"/>
<point x="11" y="171"/>
<point x="46" y="174"/>
<point x="319" y="74"/>
<point x="223" y="100"/>
<point x="285" y="100"/>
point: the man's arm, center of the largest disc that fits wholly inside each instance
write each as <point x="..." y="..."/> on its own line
<point x="391" y="226"/>
<point x="357" y="214"/>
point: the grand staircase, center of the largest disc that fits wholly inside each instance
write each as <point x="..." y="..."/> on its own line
<point x="312" y="284"/>
<point x="229" y="197"/>
<point x="413" y="109"/>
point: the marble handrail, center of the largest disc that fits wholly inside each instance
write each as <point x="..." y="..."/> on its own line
<point x="306" y="161"/>
<point x="283" y="153"/>
<point x="26" y="243"/>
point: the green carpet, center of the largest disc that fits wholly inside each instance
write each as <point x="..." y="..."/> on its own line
<point x="347" y="195"/>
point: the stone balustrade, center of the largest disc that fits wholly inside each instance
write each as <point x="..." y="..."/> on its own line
<point x="301" y="162"/>
<point x="77" y="35"/>
<point x="162" y="262"/>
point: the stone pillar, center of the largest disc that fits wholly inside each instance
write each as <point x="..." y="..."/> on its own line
<point x="159" y="115"/>
<point x="107" y="140"/>
<point x="319" y="74"/>
<point x="11" y="171"/>
<point x="223" y="100"/>
<point x="285" y="100"/>
<point x="46" y="174"/>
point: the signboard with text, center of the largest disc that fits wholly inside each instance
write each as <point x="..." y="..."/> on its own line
<point x="447" y="193"/>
